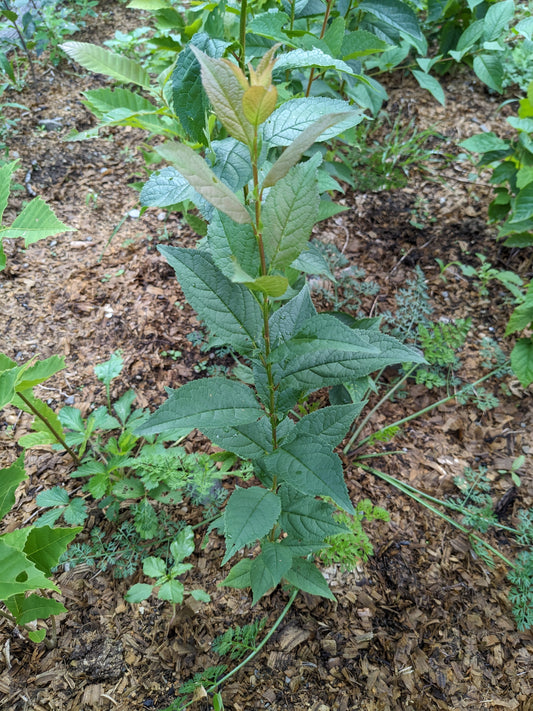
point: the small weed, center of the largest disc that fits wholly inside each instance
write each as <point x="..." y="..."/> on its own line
<point x="237" y="641"/>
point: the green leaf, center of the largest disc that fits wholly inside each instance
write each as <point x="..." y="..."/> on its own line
<point x="154" y="567"/>
<point x="305" y="576"/>
<point x="305" y="518"/>
<point x="36" y="439"/>
<point x="102" y="61"/>
<point x="274" y="286"/>
<point x="522" y="361"/>
<point x="521" y="318"/>
<point x="201" y="177"/>
<point x="19" y="574"/>
<point x="484" y="142"/>
<point x="269" y="24"/>
<point x="188" y="97"/>
<point x="523" y="206"/>
<point x="138" y="593"/>
<point x="10" y="478"/>
<point x="70" y="417"/>
<point x="37" y="635"/>
<point x="111" y="369"/>
<point x="225" y="93"/>
<point x="39" y="372"/>
<point x="291" y="316"/>
<point x="166" y="187"/>
<point x="232" y="163"/>
<point x="200" y="595"/>
<point x="239" y="576"/>
<point x="7" y="386"/>
<point x="183" y="545"/>
<point x="292" y="154"/>
<point x="45" y="546"/>
<point x="302" y="59"/>
<point x="329" y="424"/>
<point x="35" y="222"/>
<point x="289" y="214"/>
<point x="426" y="81"/>
<point x="52" y="497"/>
<point x="489" y="68"/>
<point x="361" y="43"/>
<point x="395" y="14"/>
<point x="268" y="568"/>
<point x="248" y="441"/>
<point x="6" y="171"/>
<point x="34" y="607"/>
<point x="309" y="465"/>
<point x="211" y="402"/>
<point x="229" y="310"/>
<point x="326" y="352"/>
<point x="497" y="19"/>
<point x="249" y="515"/>
<point x="296" y="115"/>
<point x="105" y="101"/>
<point x="229" y="241"/>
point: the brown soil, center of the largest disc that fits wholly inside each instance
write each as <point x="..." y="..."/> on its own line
<point x="424" y="624"/>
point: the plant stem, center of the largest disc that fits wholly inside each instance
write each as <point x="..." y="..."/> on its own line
<point x="259" y="647"/>
<point x="322" y="33"/>
<point x="424" y="499"/>
<point x="242" y="34"/>
<point x="50" y="427"/>
<point x="425" y="409"/>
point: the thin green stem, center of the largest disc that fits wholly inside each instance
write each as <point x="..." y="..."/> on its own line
<point x="376" y="407"/>
<point x="429" y="408"/>
<point x="424" y="499"/>
<point x="242" y="34"/>
<point x="50" y="427"/>
<point x="329" y="5"/>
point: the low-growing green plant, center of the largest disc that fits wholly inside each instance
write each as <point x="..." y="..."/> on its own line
<point x="512" y="164"/>
<point x="237" y="642"/>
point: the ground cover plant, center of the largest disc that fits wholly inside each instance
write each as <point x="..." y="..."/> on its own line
<point x="136" y="473"/>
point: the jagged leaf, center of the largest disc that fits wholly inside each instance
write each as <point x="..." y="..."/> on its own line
<point x="10" y="478"/>
<point x="100" y="60"/>
<point x="35" y="222"/>
<point x="394" y="13"/>
<point x="307" y="519"/>
<point x="268" y="568"/>
<point x="249" y="515"/>
<point x="166" y="187"/>
<point x="305" y="576"/>
<point x="522" y="361"/>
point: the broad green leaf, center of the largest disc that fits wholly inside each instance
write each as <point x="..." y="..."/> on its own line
<point x="35" y="222"/>
<point x="523" y="206"/>
<point x="210" y="402"/>
<point x="188" y="97"/>
<point x="274" y="286"/>
<point x="70" y="417"/>
<point x="270" y="25"/>
<point x="36" y="439"/>
<point x="249" y="441"/>
<point x="10" y="478"/>
<point x="37" y="635"/>
<point x="268" y="568"/>
<point x="489" y="68"/>
<point x="307" y="519"/>
<point x="52" y="497"/>
<point x="497" y="19"/>
<point x="183" y="545"/>
<point x="138" y="593"/>
<point x="154" y="567"/>
<point x="40" y="407"/>
<point x="361" y="43"/>
<point x="427" y="81"/>
<point x="200" y="595"/>
<point x="330" y="424"/>
<point x="102" y="61"/>
<point x="326" y="352"/>
<point x="289" y="214"/>
<point x="239" y="576"/>
<point x="484" y="142"/>
<point x="6" y="171"/>
<point x="19" y="574"/>
<point x="303" y="59"/>
<point x="305" y="576"/>
<point x="232" y="164"/>
<point x="291" y="316"/>
<point x="292" y="154"/>
<point x="296" y="115"/>
<point x="103" y="101"/>
<point x="7" y="386"/>
<point x="33" y="607"/>
<point x="39" y="372"/>
<point x="394" y="13"/>
<point x="249" y="515"/>
<point x="521" y="318"/>
<point x="225" y="93"/>
<point x="151" y="5"/>
<point x="229" y="310"/>
<point x="194" y="168"/>
<point x="229" y="241"/>
<point x="522" y="361"/>
<point x="309" y="466"/>
<point x="45" y="546"/>
<point x="166" y="187"/>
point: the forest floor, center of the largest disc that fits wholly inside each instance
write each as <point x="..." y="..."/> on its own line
<point x="423" y="624"/>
